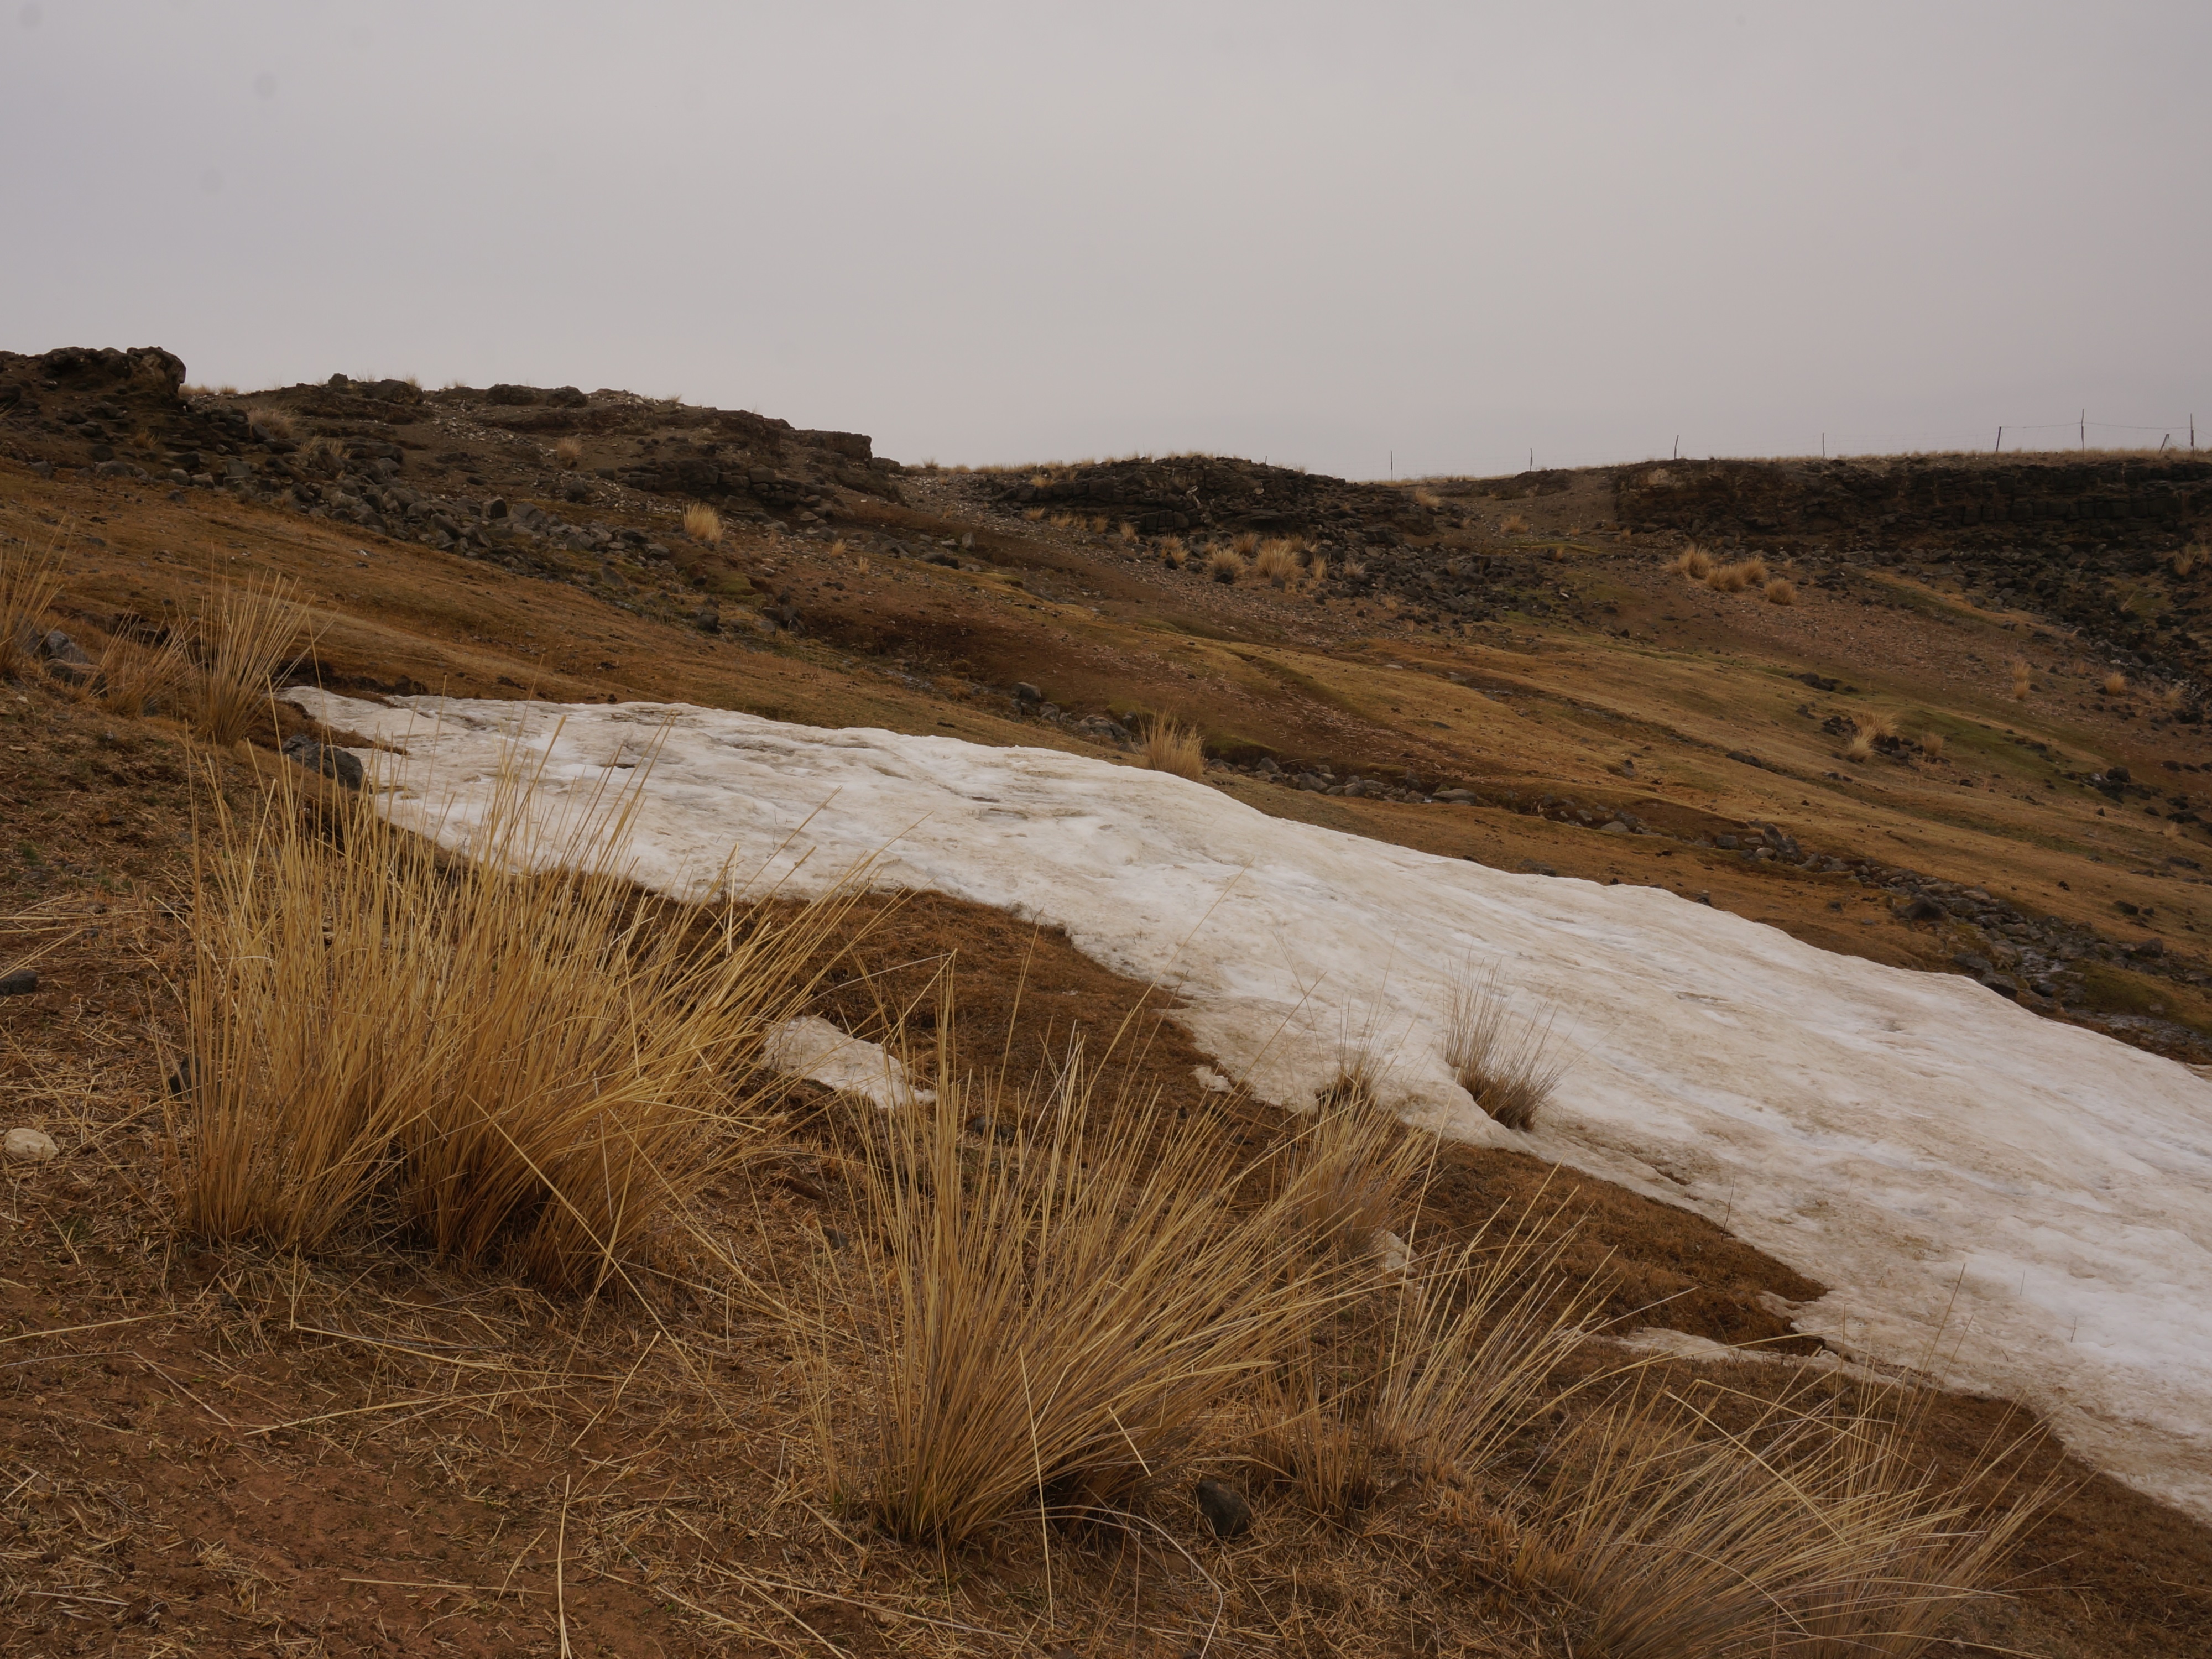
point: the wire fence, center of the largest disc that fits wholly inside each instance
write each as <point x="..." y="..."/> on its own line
<point x="2179" y="433"/>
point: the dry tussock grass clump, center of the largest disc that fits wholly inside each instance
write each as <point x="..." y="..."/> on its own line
<point x="1277" y="562"/>
<point x="568" y="454"/>
<point x="1033" y="513"/>
<point x="2115" y="684"/>
<point x="270" y="422"/>
<point x="1224" y="564"/>
<point x="1781" y="591"/>
<point x="1805" y="1529"/>
<point x="702" y="524"/>
<point x="510" y="1055"/>
<point x="2023" y="678"/>
<point x="137" y="677"/>
<point x="1510" y="1065"/>
<point x="1244" y="543"/>
<point x="1694" y="562"/>
<point x="1047" y="1319"/>
<point x="1126" y="532"/>
<point x="247" y="638"/>
<point x="29" y="584"/>
<point x="1171" y="746"/>
<point x="1428" y="498"/>
<point x="1173" y="552"/>
<point x="1737" y="578"/>
<point x="1931" y="744"/>
<point x="1866" y="730"/>
<point x="2191" y="557"/>
<point x="1514" y="524"/>
<point x="324" y="455"/>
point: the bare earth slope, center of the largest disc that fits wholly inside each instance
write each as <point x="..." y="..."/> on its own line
<point x="1503" y="670"/>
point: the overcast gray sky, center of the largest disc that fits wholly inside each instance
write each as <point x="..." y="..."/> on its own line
<point x="1327" y="234"/>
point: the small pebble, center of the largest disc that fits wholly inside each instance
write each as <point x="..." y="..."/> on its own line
<point x="31" y="1146"/>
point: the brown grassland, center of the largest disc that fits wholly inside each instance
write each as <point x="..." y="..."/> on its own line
<point x="431" y="1264"/>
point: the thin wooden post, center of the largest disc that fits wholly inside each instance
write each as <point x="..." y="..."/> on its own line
<point x="1999" y="450"/>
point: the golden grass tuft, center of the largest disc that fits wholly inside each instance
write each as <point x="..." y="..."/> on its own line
<point x="511" y="1055"/>
<point x="702" y="524"/>
<point x="1171" y="746"/>
<point x="1781" y="591"/>
<point x="1099" y="523"/>
<point x="323" y="453"/>
<point x="1173" y="551"/>
<point x="568" y="454"/>
<point x="1931" y="744"/>
<point x="1737" y="577"/>
<point x="1428" y="498"/>
<point x="1048" y="1320"/>
<point x="1244" y="543"/>
<point x="2190" y="558"/>
<point x="30" y="582"/>
<point x="1224" y="564"/>
<point x="1033" y="513"/>
<point x="1694" y="562"/>
<point x="136" y="677"/>
<point x="1510" y="1065"/>
<point x="270" y="422"/>
<point x="1805" y="1529"/>
<point x="1127" y="530"/>
<point x="247" y="637"/>
<point x="2115" y="684"/>
<point x="1514" y="524"/>
<point x="1277" y="562"/>
<point x="2023" y="677"/>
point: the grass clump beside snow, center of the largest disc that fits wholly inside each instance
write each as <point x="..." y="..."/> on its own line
<point x="512" y="1056"/>
<point x="1510" y="1065"/>
<point x="1050" y="1316"/>
<point x="1171" y="746"/>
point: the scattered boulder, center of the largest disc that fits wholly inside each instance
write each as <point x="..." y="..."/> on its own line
<point x="29" y="1145"/>
<point x="1227" y="1510"/>
<point x="327" y="758"/>
<point x="1024" y="692"/>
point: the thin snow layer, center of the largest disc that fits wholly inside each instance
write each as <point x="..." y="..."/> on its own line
<point x="809" y="1046"/>
<point x="2021" y="1206"/>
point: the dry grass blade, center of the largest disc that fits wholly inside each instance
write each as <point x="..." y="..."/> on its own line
<point x="136" y="678"/>
<point x="29" y="584"/>
<point x="1342" y="1181"/>
<point x="1050" y="1318"/>
<point x="1171" y="746"/>
<point x="1512" y="1067"/>
<point x="1315" y="1438"/>
<point x="1475" y="1337"/>
<point x="516" y="1051"/>
<point x="247" y="638"/>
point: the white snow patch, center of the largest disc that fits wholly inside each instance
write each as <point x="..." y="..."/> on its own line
<point x="2022" y="1207"/>
<point x="809" y="1046"/>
